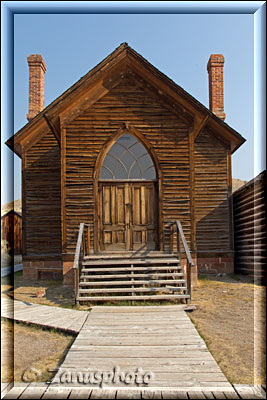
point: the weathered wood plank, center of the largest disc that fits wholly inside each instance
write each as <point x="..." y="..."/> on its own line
<point x="151" y="394"/>
<point x="248" y="391"/>
<point x="83" y="393"/>
<point x="128" y="394"/>
<point x="56" y="393"/>
<point x="17" y="390"/>
<point x="35" y="390"/>
<point x="174" y="394"/>
<point x="196" y="395"/>
<point x="103" y="394"/>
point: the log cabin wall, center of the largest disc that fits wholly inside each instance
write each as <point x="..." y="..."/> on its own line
<point x="212" y="205"/>
<point x="250" y="228"/>
<point x="42" y="207"/>
<point x="86" y="135"/>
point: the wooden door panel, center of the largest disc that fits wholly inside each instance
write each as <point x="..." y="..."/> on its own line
<point x="113" y="218"/>
<point x="143" y="217"/>
<point x="128" y="216"/>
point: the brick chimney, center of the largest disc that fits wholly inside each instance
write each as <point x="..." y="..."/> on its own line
<point x="37" y="70"/>
<point x="215" y="71"/>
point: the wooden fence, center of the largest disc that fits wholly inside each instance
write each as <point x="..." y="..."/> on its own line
<point x="250" y="228"/>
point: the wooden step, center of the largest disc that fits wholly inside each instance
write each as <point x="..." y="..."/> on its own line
<point x="149" y="276"/>
<point x="127" y="269"/>
<point x="133" y="297"/>
<point x="129" y="254"/>
<point x="131" y="262"/>
<point x="140" y="289"/>
<point x="132" y="282"/>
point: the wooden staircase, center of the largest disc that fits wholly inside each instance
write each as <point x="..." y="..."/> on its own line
<point x="147" y="275"/>
<point x="115" y="277"/>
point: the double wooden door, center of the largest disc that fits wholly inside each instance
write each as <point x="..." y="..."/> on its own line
<point x="128" y="216"/>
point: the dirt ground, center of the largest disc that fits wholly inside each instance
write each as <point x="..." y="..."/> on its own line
<point x="230" y="317"/>
<point x="25" y="290"/>
<point x="29" y="353"/>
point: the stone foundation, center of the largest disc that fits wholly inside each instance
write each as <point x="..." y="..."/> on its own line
<point x="215" y="265"/>
<point x="68" y="273"/>
<point x="38" y="270"/>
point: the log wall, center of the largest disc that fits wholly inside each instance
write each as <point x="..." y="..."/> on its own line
<point x="250" y="227"/>
<point x="41" y="197"/>
<point x="85" y="136"/>
<point x="211" y="194"/>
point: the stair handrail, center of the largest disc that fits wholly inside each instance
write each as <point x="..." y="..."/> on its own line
<point x="81" y="247"/>
<point x="189" y="261"/>
<point x="76" y="263"/>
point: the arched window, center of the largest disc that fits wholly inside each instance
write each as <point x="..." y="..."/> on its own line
<point x="128" y="159"/>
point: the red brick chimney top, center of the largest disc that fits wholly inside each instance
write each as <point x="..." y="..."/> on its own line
<point x="216" y="98"/>
<point x="37" y="70"/>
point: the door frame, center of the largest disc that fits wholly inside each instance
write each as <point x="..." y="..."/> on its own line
<point x="130" y="185"/>
<point x="126" y="128"/>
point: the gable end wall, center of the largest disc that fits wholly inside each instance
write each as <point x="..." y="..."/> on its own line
<point x="86" y="135"/>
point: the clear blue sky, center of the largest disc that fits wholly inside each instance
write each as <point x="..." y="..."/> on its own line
<point x="178" y="45"/>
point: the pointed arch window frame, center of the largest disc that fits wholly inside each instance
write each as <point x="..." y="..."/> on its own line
<point x="136" y="162"/>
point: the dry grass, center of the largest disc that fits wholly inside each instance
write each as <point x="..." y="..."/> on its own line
<point x="24" y="347"/>
<point x="230" y="316"/>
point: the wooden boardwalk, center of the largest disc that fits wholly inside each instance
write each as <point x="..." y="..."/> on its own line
<point x="52" y="317"/>
<point x="44" y="391"/>
<point x="159" y="340"/>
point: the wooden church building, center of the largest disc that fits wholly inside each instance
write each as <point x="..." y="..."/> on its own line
<point x="127" y="152"/>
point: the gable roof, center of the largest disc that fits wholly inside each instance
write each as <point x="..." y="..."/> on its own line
<point x="98" y="81"/>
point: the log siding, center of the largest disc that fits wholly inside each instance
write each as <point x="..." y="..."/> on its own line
<point x="211" y="194"/>
<point x="41" y="177"/>
<point x="250" y="227"/>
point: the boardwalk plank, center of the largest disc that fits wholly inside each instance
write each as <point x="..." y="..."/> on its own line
<point x="208" y="394"/>
<point x="219" y="394"/>
<point x="231" y="395"/>
<point x="16" y="391"/>
<point x="103" y="394"/>
<point x="5" y="388"/>
<point x="56" y="393"/>
<point x="248" y="392"/>
<point x="80" y="393"/>
<point x="34" y="391"/>
<point x="128" y="394"/>
<point x="196" y="395"/>
<point x="174" y="394"/>
<point x="151" y="394"/>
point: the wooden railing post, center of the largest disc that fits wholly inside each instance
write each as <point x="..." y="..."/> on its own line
<point x="188" y="279"/>
<point x="171" y="240"/>
<point x="178" y="242"/>
<point x="88" y="239"/>
<point x="76" y="264"/>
